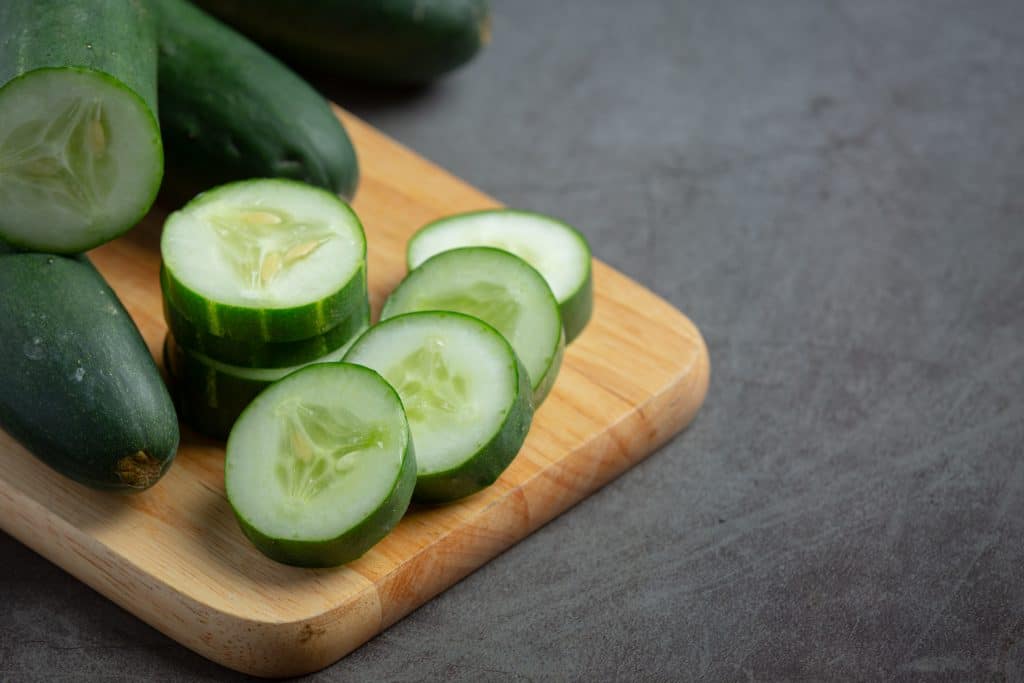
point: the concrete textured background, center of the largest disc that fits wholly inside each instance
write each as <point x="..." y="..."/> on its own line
<point x="834" y="192"/>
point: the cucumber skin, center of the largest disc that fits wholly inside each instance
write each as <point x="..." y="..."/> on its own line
<point x="253" y="354"/>
<point x="231" y="111"/>
<point x="578" y="309"/>
<point x="89" y="429"/>
<point x="383" y="41"/>
<point x="356" y="541"/>
<point x="115" y="39"/>
<point x="268" y="325"/>
<point x="491" y="460"/>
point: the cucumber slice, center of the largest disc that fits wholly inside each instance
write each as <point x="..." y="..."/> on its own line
<point x="320" y="467"/>
<point x="466" y="395"/>
<point x="502" y="290"/>
<point x="556" y="249"/>
<point x="270" y="260"/>
<point x="249" y="353"/>
<point x="211" y="395"/>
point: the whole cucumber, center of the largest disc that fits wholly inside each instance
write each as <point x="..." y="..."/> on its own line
<point x="78" y="387"/>
<point x="385" y="41"/>
<point x="80" y="151"/>
<point x="230" y="111"/>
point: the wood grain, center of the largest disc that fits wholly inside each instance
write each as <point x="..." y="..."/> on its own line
<point x="174" y="555"/>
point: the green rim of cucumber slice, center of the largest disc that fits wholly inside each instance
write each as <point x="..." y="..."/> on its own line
<point x="262" y="354"/>
<point x="80" y="159"/>
<point x="210" y="395"/>
<point x="557" y="250"/>
<point x="467" y="397"/>
<point x="269" y="259"/>
<point x="499" y="288"/>
<point x="320" y="467"/>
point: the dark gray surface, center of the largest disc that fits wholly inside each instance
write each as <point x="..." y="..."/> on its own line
<point x="835" y="194"/>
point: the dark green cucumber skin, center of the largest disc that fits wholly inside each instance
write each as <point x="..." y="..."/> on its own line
<point x="208" y="401"/>
<point x="231" y="111"/>
<point x="269" y="325"/>
<point x="78" y="387"/>
<point x="116" y="37"/>
<point x="354" y="543"/>
<point x="383" y="41"/>
<point x="247" y="353"/>
<point x="578" y="309"/>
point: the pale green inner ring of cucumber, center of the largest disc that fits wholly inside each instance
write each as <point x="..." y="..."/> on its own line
<point x="316" y="454"/>
<point x="80" y="158"/>
<point x="457" y="380"/>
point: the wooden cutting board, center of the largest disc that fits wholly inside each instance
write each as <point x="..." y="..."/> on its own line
<point x="174" y="555"/>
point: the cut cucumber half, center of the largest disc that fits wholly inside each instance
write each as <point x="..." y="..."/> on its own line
<point x="320" y="467"/>
<point x="260" y="354"/>
<point x="211" y="395"/>
<point x="80" y="159"/>
<point x="557" y="250"/>
<point x="269" y="260"/>
<point x="502" y="290"/>
<point x="466" y="395"/>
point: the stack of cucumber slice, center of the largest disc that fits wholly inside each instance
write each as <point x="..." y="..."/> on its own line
<point x="264" y="285"/>
<point x="259" y="278"/>
<point x="333" y="431"/>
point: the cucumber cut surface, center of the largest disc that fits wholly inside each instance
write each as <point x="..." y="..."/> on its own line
<point x="502" y="290"/>
<point x="273" y="260"/>
<point x="80" y="159"/>
<point x="321" y="467"/>
<point x="558" y="251"/>
<point x="80" y="152"/>
<point x="248" y="353"/>
<point x="211" y="394"/>
<point x="467" y="397"/>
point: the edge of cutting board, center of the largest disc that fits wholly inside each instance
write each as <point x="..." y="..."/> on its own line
<point x="269" y="635"/>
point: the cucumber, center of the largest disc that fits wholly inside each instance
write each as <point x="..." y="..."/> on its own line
<point x="256" y="354"/>
<point x="266" y="260"/>
<point x="211" y="394"/>
<point x="231" y="111"/>
<point x="558" y="251"/>
<point x="502" y="290"/>
<point x="79" y="388"/>
<point x="384" y="41"/>
<point x="80" y="153"/>
<point x="321" y="467"/>
<point x="466" y="395"/>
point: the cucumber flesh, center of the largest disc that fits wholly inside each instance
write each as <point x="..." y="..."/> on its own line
<point x="80" y="159"/>
<point x="321" y="467"/>
<point x="211" y="394"/>
<point x="502" y="290"/>
<point x="558" y="251"/>
<point x="467" y="397"/>
<point x="272" y="260"/>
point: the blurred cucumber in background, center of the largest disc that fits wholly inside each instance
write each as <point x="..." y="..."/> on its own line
<point x="378" y="41"/>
